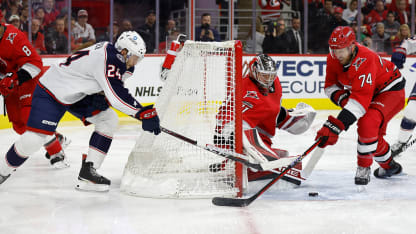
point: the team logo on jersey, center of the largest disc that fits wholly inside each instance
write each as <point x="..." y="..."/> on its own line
<point x="358" y="63"/>
<point x="11" y="37"/>
<point x="251" y="94"/>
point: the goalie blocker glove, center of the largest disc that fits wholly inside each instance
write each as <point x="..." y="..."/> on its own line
<point x="149" y="118"/>
<point x="399" y="57"/>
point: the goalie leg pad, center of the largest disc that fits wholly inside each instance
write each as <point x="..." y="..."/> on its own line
<point x="256" y="149"/>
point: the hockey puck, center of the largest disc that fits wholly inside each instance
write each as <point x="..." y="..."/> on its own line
<point x="313" y="194"/>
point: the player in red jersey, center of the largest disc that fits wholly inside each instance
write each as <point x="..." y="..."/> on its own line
<point x="20" y="69"/>
<point x="262" y="114"/>
<point x="369" y="90"/>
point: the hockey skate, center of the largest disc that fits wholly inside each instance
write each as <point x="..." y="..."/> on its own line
<point x="362" y="177"/>
<point x="59" y="160"/>
<point x="90" y="180"/>
<point x="395" y="168"/>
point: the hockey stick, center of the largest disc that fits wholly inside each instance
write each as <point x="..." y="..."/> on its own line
<point x="401" y="150"/>
<point x="313" y="160"/>
<point x="241" y="202"/>
<point x="241" y="158"/>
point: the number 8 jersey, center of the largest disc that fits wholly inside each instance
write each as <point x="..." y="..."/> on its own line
<point x="365" y="77"/>
<point x="98" y="68"/>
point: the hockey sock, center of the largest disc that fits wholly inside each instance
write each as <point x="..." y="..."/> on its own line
<point x="99" y="146"/>
<point x="383" y="154"/>
<point x="406" y="129"/>
<point x="365" y="151"/>
<point x="12" y="161"/>
<point x="53" y="146"/>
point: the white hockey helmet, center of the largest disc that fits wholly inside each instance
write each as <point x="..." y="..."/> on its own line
<point x="132" y="42"/>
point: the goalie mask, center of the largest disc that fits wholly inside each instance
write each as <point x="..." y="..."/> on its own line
<point x="263" y="70"/>
<point x="133" y="43"/>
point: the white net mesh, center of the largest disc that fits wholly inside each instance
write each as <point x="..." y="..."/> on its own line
<point x="201" y="79"/>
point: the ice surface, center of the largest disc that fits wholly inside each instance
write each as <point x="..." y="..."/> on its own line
<point x="40" y="199"/>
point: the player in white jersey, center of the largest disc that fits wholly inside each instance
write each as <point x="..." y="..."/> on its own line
<point x="84" y="85"/>
<point x="408" y="122"/>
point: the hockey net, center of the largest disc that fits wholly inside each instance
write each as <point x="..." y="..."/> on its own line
<point x="204" y="75"/>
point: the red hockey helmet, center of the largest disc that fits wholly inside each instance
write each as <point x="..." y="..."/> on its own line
<point x="341" y="37"/>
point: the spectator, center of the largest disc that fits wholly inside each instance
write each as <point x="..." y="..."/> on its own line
<point x="367" y="42"/>
<point x="205" y="32"/>
<point x="13" y="9"/>
<point x="321" y="27"/>
<point x="40" y="15"/>
<point x="50" y="12"/>
<point x="38" y="39"/>
<point x="402" y="14"/>
<point x="56" y="40"/>
<point x="169" y="28"/>
<point x="338" y="20"/>
<point x="259" y="38"/>
<point x="15" y="21"/>
<point x="83" y="32"/>
<point x="295" y="37"/>
<point x="377" y="15"/>
<point x="380" y="39"/>
<point x="24" y="22"/>
<point x="116" y="32"/>
<point x="404" y="33"/>
<point x="391" y="26"/>
<point x="164" y="45"/>
<point x="147" y="31"/>
<point x="126" y="26"/>
<point x="2" y="14"/>
<point x="276" y="39"/>
<point x="350" y="13"/>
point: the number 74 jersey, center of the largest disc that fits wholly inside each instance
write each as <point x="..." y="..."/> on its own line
<point x="365" y="77"/>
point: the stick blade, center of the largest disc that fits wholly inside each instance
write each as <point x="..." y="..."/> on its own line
<point x="227" y="201"/>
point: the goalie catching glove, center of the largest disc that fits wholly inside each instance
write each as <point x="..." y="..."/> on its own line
<point x="149" y="118"/>
<point x="296" y="120"/>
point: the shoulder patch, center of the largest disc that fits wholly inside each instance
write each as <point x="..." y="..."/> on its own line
<point x="358" y="63"/>
<point x="251" y="94"/>
<point x="121" y="58"/>
<point x="11" y="37"/>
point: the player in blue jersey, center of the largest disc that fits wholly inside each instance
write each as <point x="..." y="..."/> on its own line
<point x="85" y="85"/>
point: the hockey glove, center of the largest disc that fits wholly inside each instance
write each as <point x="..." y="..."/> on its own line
<point x="8" y="83"/>
<point x="340" y="97"/>
<point x="329" y="132"/>
<point x="399" y="57"/>
<point x="149" y="118"/>
<point x="164" y="74"/>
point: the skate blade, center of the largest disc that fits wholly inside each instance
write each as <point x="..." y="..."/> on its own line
<point x="361" y="188"/>
<point x="85" y="185"/>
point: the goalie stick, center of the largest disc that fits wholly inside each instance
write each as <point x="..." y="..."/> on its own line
<point x="401" y="150"/>
<point x="241" y="202"/>
<point x="241" y="158"/>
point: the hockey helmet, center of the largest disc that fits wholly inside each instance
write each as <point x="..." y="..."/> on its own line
<point x="341" y="37"/>
<point x="132" y="42"/>
<point x="263" y="70"/>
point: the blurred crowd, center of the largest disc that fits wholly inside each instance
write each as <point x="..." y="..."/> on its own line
<point x="383" y="26"/>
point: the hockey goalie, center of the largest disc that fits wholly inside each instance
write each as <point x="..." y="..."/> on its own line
<point x="262" y="114"/>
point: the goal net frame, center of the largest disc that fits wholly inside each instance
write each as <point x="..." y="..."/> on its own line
<point x="213" y="65"/>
